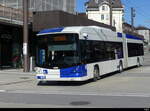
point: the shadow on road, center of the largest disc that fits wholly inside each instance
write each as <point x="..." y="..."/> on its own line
<point x="62" y="83"/>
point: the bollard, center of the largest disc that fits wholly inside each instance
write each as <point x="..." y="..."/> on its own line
<point x="32" y="64"/>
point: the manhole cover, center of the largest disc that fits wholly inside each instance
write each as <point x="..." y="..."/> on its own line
<point x="24" y="77"/>
<point x="80" y="103"/>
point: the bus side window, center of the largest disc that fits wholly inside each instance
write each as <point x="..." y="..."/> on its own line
<point x="86" y="52"/>
<point x="110" y="50"/>
<point x="119" y="53"/>
<point x="98" y="51"/>
<point x="83" y="51"/>
<point x="119" y="50"/>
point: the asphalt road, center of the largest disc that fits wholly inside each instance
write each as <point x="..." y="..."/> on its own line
<point x="129" y="89"/>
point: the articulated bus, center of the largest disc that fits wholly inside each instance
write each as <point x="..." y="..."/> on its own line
<point x="80" y="53"/>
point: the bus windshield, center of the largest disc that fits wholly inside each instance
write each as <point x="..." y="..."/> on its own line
<point x="57" y="51"/>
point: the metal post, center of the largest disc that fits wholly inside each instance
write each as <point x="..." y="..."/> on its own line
<point x="25" y="35"/>
<point x="149" y="42"/>
<point x="149" y="37"/>
<point x="17" y="15"/>
<point x="4" y="5"/>
<point x="45" y="8"/>
<point x="132" y="18"/>
<point x="110" y="4"/>
<point x="11" y="15"/>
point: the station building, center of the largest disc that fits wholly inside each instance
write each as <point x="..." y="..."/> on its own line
<point x="11" y="27"/>
<point x="43" y="5"/>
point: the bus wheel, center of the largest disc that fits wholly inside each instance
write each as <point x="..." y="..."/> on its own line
<point x="96" y="74"/>
<point x="120" y="67"/>
<point x="41" y="83"/>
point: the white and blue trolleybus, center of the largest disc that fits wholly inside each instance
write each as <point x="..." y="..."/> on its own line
<point x="79" y="53"/>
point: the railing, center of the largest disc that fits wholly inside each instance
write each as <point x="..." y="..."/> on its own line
<point x="12" y="15"/>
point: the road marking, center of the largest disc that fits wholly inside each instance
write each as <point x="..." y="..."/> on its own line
<point x="2" y="90"/>
<point x="83" y="93"/>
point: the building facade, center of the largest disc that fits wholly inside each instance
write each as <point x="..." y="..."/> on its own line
<point x="99" y="10"/>
<point x="11" y="35"/>
<point x="43" y="5"/>
<point x="145" y="32"/>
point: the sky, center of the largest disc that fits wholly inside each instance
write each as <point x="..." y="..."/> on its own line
<point x="142" y="8"/>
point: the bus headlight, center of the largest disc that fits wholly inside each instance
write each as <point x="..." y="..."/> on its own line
<point x="37" y="70"/>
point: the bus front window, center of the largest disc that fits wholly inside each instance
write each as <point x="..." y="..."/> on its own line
<point x="53" y="52"/>
<point x="63" y="59"/>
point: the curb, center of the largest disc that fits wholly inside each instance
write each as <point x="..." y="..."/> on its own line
<point x="17" y="73"/>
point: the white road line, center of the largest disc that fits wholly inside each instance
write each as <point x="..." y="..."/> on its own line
<point x="2" y="90"/>
<point x="84" y="93"/>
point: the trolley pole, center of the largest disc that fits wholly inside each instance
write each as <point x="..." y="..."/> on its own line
<point x="25" y="36"/>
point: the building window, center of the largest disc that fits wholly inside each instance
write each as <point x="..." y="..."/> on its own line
<point x="102" y="17"/>
<point x="96" y="1"/>
<point x="107" y="17"/>
<point x="106" y="8"/>
<point x="103" y="8"/>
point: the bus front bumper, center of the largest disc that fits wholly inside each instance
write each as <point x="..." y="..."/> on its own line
<point x="43" y="77"/>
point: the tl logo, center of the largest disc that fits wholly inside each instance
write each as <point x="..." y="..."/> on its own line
<point x="45" y="71"/>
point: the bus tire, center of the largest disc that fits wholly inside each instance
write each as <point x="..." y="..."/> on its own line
<point x="120" y="67"/>
<point x="96" y="74"/>
<point x="41" y="83"/>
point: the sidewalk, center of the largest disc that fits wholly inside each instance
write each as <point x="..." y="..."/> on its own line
<point x="14" y="76"/>
<point x="16" y="71"/>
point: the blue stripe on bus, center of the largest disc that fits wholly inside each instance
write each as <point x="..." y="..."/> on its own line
<point x="52" y="30"/>
<point x="133" y="37"/>
<point x="129" y="36"/>
<point x="119" y="34"/>
<point x="45" y="71"/>
<point x="76" y="71"/>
